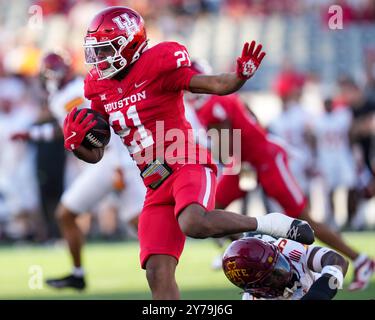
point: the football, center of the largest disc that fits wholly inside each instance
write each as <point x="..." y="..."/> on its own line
<point x="100" y="134"/>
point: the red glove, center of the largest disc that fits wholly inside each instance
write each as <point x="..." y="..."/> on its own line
<point x="76" y="129"/>
<point x="20" y="136"/>
<point x="249" y="61"/>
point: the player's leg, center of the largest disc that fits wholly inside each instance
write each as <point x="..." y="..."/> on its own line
<point x="325" y="234"/>
<point x="74" y="238"/>
<point x="86" y="191"/>
<point x="71" y="232"/>
<point x="161" y="243"/>
<point x="330" y="218"/>
<point x="194" y="193"/>
<point x="331" y="181"/>
<point x="160" y="273"/>
<point x="353" y="202"/>
<point x="228" y="190"/>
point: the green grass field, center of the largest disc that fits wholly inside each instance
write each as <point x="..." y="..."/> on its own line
<point x="114" y="272"/>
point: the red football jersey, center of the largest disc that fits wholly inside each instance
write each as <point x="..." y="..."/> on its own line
<point x="145" y="108"/>
<point x="255" y="147"/>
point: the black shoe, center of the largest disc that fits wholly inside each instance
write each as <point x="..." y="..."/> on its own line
<point x="301" y="231"/>
<point x="69" y="281"/>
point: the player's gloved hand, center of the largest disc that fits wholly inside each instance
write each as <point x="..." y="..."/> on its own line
<point x="250" y="60"/>
<point x="20" y="136"/>
<point x="76" y="129"/>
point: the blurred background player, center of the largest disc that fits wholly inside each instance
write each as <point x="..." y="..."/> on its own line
<point x="271" y="163"/>
<point x="19" y="196"/>
<point x="292" y="125"/>
<point x="334" y="156"/>
<point x="91" y="184"/>
<point x="281" y="269"/>
<point x="361" y="106"/>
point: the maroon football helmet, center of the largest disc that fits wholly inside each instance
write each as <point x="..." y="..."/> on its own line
<point x="55" y="71"/>
<point x="116" y="38"/>
<point x="257" y="267"/>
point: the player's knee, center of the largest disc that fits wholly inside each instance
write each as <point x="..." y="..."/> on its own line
<point x="64" y="215"/>
<point x="194" y="223"/>
<point x="158" y="272"/>
<point x="155" y="276"/>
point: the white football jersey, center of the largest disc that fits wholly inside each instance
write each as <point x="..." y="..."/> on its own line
<point x="290" y="125"/>
<point x="18" y="181"/>
<point x="68" y="97"/>
<point x="332" y="131"/>
<point x="298" y="255"/>
<point x="335" y="158"/>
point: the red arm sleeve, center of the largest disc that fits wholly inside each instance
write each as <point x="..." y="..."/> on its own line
<point x="178" y="79"/>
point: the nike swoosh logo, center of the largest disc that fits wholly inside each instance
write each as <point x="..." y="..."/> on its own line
<point x="72" y="135"/>
<point x="140" y="84"/>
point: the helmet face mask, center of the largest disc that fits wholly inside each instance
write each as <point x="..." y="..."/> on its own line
<point x="115" y="39"/>
<point x="275" y="282"/>
<point x="104" y="56"/>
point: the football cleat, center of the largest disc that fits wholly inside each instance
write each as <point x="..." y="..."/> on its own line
<point x="70" y="281"/>
<point x="300" y="231"/>
<point x="281" y="226"/>
<point x="362" y="274"/>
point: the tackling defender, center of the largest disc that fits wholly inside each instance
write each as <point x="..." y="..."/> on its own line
<point x="282" y="269"/>
<point x="270" y="161"/>
<point x="140" y="91"/>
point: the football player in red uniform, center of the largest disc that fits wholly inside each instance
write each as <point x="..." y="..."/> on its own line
<point x="140" y="91"/>
<point x="270" y="161"/>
